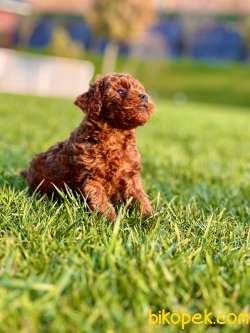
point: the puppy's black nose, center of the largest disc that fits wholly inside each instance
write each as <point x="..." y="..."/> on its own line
<point x="143" y="97"/>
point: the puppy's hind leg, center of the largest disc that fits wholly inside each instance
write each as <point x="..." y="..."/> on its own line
<point x="97" y="199"/>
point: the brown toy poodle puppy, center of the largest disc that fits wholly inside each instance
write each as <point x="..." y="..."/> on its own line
<point x="100" y="158"/>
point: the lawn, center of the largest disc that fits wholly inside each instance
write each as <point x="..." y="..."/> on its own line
<point x="62" y="269"/>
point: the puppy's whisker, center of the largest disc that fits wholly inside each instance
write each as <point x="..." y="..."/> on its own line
<point x="129" y="107"/>
<point x="133" y="107"/>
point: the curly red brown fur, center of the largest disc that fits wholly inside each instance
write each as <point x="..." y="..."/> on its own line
<point x="100" y="157"/>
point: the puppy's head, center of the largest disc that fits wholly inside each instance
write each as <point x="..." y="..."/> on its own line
<point x="118" y="99"/>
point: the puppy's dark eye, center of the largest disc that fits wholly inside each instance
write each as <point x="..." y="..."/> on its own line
<point x="122" y="91"/>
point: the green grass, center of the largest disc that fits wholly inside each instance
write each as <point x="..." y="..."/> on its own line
<point x="64" y="270"/>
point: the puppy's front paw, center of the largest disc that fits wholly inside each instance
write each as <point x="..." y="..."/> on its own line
<point x="111" y="214"/>
<point x="147" y="210"/>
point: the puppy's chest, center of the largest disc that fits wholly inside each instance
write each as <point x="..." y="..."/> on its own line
<point x="110" y="158"/>
<point x="119" y="158"/>
<point x="115" y="157"/>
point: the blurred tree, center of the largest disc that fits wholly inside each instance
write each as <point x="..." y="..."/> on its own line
<point x="62" y="45"/>
<point x="119" y="21"/>
<point x="246" y="31"/>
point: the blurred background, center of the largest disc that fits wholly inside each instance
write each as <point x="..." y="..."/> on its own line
<point x="181" y="49"/>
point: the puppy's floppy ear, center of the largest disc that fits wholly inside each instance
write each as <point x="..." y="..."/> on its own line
<point x="82" y="101"/>
<point x="91" y="101"/>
